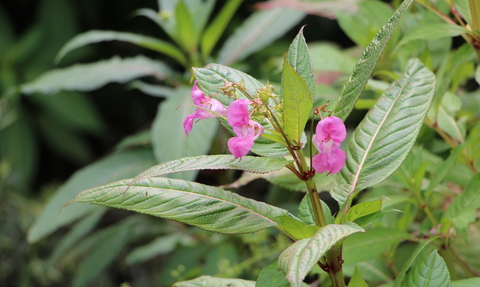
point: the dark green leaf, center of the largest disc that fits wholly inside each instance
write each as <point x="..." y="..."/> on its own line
<point x="270" y="276"/>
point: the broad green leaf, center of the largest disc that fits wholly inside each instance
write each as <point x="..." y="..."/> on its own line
<point x="463" y="8"/>
<point x="430" y="272"/>
<point x="296" y="229"/>
<point x="96" y="36"/>
<point x="297" y="260"/>
<point x="354" y="87"/>
<point x="365" y="246"/>
<point x="299" y="57"/>
<point x="400" y="277"/>
<point x="217" y="27"/>
<point x="114" y="167"/>
<point x="209" y="281"/>
<point x="258" y="31"/>
<point x="306" y="212"/>
<point x="387" y="133"/>
<point x="462" y="210"/>
<point x="357" y="280"/>
<point x="371" y="218"/>
<point x="87" y="77"/>
<point x="168" y="136"/>
<point x="248" y="163"/>
<point x="207" y="207"/>
<point x="185" y="29"/>
<point x="270" y="276"/>
<point x="471" y="282"/>
<point x="362" y="209"/>
<point x="297" y="103"/>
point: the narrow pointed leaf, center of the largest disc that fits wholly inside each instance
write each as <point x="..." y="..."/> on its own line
<point x="209" y="281"/>
<point x="387" y="133"/>
<point x="299" y="57"/>
<point x="207" y="207"/>
<point x="362" y="209"/>
<point x="297" y="260"/>
<point x="297" y="102"/>
<point x="187" y="37"/>
<point x="430" y="272"/>
<point x="357" y="280"/>
<point x="354" y="87"/>
<point x="87" y="77"/>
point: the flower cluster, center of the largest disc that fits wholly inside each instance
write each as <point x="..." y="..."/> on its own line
<point x="330" y="133"/>
<point x="238" y="116"/>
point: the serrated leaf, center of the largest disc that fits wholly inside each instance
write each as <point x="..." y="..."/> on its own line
<point x="270" y="276"/>
<point x="297" y="260"/>
<point x="87" y="77"/>
<point x="203" y="162"/>
<point x="114" y="167"/>
<point x="354" y="87"/>
<point x="207" y="207"/>
<point x="430" y="272"/>
<point x="357" y="280"/>
<point x="258" y="31"/>
<point x="462" y="210"/>
<point x="96" y="36"/>
<point x="297" y="103"/>
<point x="362" y="209"/>
<point x="209" y="281"/>
<point x="299" y="57"/>
<point x="387" y="133"/>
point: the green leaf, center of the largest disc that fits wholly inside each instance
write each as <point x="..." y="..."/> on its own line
<point x="297" y="260"/>
<point x="87" y="77"/>
<point x="168" y="137"/>
<point x="430" y="272"/>
<point x="462" y="210"/>
<point x="354" y="87"/>
<point x="203" y="162"/>
<point x="365" y="246"/>
<point x="357" y="280"/>
<point x="185" y="29"/>
<point x="362" y="209"/>
<point x="471" y="282"/>
<point x="96" y="36"/>
<point x="152" y="90"/>
<point x="371" y="218"/>
<point x="209" y="281"/>
<point x="297" y="103"/>
<point x="216" y="28"/>
<point x="258" y="31"/>
<point x="400" y="277"/>
<point x="270" y="276"/>
<point x="306" y="212"/>
<point x="296" y="229"/>
<point x="207" y="207"/>
<point x="299" y="57"/>
<point x="387" y="133"/>
<point x="463" y="8"/>
<point x="114" y="167"/>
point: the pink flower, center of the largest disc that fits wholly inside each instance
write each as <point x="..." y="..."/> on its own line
<point x="207" y="107"/>
<point x="247" y="131"/>
<point x="330" y="133"/>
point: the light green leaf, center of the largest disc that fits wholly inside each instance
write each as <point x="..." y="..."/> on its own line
<point x="203" y="162"/>
<point x="208" y="281"/>
<point x="207" y="207"/>
<point x="387" y="133"/>
<point x="152" y="90"/>
<point x="258" y="31"/>
<point x="216" y="28"/>
<point x="463" y="8"/>
<point x="306" y="212"/>
<point x="299" y="57"/>
<point x="365" y="246"/>
<point x="168" y="136"/>
<point x="430" y="272"/>
<point x="297" y="103"/>
<point x="297" y="260"/>
<point x="462" y="210"/>
<point x="371" y="218"/>
<point x="471" y="282"/>
<point x="357" y="280"/>
<point x="185" y="29"/>
<point x="362" y="209"/>
<point x="87" y="77"/>
<point x="114" y="167"/>
<point x="270" y="276"/>
<point x="354" y="87"/>
<point x="96" y="36"/>
<point x="296" y="229"/>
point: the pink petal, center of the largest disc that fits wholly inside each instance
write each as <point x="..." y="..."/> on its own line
<point x="240" y="146"/>
<point x="197" y="95"/>
<point x="331" y="127"/>
<point x="217" y="107"/>
<point x="237" y="113"/>
<point x="332" y="162"/>
<point x="188" y="123"/>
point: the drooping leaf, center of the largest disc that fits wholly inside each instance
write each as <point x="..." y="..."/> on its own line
<point x="270" y="276"/>
<point x="430" y="272"/>
<point x="462" y="210"/>
<point x="258" y="31"/>
<point x="297" y="260"/>
<point x="114" y="167"/>
<point x="210" y="208"/>
<point x="387" y="133"/>
<point x="209" y="281"/>
<point x="96" y="36"/>
<point x="297" y="103"/>
<point x="87" y="77"/>
<point x="299" y="57"/>
<point x="152" y="90"/>
<point x="354" y="87"/>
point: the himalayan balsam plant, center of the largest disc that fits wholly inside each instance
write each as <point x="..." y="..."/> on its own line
<point x="286" y="131"/>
